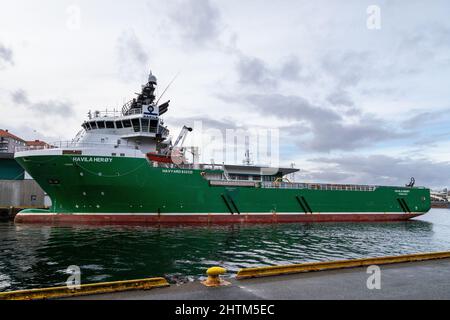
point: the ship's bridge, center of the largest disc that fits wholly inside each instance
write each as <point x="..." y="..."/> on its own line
<point x="131" y="125"/>
<point x="138" y="120"/>
<point x="137" y="125"/>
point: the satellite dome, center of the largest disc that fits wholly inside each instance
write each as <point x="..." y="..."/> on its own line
<point x="152" y="78"/>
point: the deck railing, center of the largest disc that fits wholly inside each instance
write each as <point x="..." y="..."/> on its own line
<point x="113" y="113"/>
<point x="107" y="112"/>
<point x="74" y="145"/>
<point x="292" y="185"/>
<point x="317" y="186"/>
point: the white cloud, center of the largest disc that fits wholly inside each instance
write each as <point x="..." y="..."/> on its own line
<point x="361" y="87"/>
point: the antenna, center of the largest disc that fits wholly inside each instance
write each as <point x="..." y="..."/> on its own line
<point x="293" y="173"/>
<point x="170" y="83"/>
<point x="247" y="160"/>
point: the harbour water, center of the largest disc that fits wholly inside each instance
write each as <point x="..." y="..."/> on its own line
<point x="34" y="256"/>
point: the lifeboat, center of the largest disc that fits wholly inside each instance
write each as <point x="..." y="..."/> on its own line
<point x="159" y="157"/>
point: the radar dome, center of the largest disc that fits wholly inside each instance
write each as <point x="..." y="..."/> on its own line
<point x="152" y="78"/>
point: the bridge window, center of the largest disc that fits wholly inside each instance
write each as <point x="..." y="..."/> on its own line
<point x="101" y="124"/>
<point x="93" y="125"/>
<point x="153" y="125"/>
<point x="119" y="125"/>
<point x="144" y="123"/>
<point x="109" y="124"/>
<point x="126" y="123"/>
<point x="136" y="125"/>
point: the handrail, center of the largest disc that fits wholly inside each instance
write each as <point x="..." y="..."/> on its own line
<point x="72" y="144"/>
<point x="317" y="186"/>
<point x="298" y="185"/>
<point x="114" y="113"/>
<point x="126" y="107"/>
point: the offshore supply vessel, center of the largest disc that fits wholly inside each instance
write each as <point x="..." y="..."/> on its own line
<point x="123" y="167"/>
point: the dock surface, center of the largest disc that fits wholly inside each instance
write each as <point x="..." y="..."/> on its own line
<point x="429" y="280"/>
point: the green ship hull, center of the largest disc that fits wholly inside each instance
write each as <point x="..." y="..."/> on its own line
<point x="124" y="189"/>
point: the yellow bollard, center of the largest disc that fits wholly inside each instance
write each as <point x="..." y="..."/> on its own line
<point x="214" y="277"/>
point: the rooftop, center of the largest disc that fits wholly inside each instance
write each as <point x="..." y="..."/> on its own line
<point x="37" y="143"/>
<point x="7" y="134"/>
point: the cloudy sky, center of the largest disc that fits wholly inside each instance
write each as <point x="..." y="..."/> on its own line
<point x="356" y="99"/>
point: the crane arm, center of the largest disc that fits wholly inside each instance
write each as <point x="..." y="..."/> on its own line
<point x="182" y="136"/>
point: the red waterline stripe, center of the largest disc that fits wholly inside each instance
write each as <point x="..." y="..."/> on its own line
<point x="226" y="218"/>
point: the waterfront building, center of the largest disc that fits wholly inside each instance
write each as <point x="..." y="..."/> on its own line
<point x="9" y="142"/>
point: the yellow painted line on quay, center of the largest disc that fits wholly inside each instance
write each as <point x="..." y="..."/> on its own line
<point x="86" y="289"/>
<point x="247" y="273"/>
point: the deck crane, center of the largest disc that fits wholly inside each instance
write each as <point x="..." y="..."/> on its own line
<point x="181" y="137"/>
<point x="174" y="153"/>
